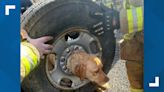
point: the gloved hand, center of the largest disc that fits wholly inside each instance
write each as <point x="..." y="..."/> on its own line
<point x="132" y="52"/>
<point x="39" y="43"/>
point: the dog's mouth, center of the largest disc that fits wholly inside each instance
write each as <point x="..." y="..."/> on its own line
<point x="104" y="86"/>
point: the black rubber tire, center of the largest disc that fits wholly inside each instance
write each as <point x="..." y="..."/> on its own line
<point x="52" y="18"/>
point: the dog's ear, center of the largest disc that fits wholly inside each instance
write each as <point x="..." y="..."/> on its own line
<point x="80" y="71"/>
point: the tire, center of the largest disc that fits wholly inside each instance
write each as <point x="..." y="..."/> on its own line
<point x="52" y="18"/>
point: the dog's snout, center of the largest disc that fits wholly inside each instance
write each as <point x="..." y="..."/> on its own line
<point x="106" y="85"/>
<point x="106" y="78"/>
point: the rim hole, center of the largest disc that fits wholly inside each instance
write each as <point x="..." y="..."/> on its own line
<point x="66" y="82"/>
<point x="94" y="47"/>
<point x="72" y="36"/>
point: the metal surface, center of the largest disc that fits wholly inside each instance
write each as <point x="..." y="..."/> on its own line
<point x="73" y="39"/>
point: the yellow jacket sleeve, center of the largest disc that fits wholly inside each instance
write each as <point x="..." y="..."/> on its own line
<point x="29" y="59"/>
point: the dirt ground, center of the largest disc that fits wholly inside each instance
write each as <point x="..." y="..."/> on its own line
<point x="118" y="76"/>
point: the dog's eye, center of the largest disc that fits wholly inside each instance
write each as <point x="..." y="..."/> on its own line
<point x="95" y="72"/>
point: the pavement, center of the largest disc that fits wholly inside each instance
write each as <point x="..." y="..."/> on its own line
<point x="118" y="75"/>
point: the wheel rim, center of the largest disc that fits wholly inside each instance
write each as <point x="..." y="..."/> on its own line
<point x="73" y="39"/>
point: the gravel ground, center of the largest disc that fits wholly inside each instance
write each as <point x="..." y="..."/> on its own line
<point x="118" y="76"/>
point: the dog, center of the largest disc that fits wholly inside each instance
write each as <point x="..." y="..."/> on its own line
<point x="87" y="66"/>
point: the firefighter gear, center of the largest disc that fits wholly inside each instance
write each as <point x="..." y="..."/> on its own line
<point x="133" y="41"/>
<point x="131" y="23"/>
<point x="132" y="52"/>
<point x="31" y="51"/>
<point x="131" y="20"/>
<point x="128" y="4"/>
<point x="29" y="58"/>
<point x="136" y="90"/>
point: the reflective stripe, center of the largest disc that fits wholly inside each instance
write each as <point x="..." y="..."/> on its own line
<point x="26" y="65"/>
<point x="140" y="18"/>
<point x="29" y="57"/>
<point x="130" y="20"/>
<point x="32" y="65"/>
<point x="136" y="90"/>
<point x="26" y="56"/>
<point x="30" y="51"/>
<point x="135" y="19"/>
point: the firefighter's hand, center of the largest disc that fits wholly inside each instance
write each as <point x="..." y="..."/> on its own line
<point x="40" y="44"/>
<point x="132" y="52"/>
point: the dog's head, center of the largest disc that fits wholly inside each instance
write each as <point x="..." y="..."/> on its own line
<point x="88" y="67"/>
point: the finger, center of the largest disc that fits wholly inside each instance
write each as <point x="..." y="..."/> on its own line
<point x="45" y="38"/>
<point x="47" y="51"/>
<point x="48" y="47"/>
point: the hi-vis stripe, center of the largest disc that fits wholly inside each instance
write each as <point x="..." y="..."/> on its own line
<point x="140" y="17"/>
<point x="136" y="90"/>
<point x="135" y="19"/>
<point x="29" y="58"/>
